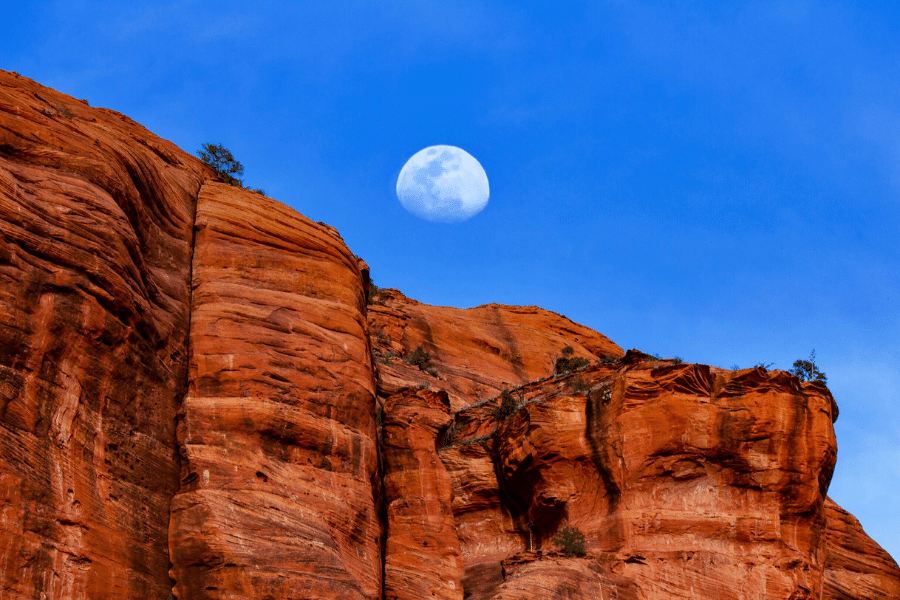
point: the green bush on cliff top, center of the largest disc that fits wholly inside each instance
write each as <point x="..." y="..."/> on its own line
<point x="223" y="162"/>
<point x="806" y="370"/>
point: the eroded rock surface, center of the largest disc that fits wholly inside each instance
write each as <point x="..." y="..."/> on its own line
<point x="686" y="480"/>
<point x="96" y="217"/>
<point x="476" y="352"/>
<point x="855" y="566"/>
<point x="422" y="556"/>
<point x="204" y="399"/>
<point x="277" y="430"/>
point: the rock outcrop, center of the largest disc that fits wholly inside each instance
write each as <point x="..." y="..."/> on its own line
<point x="277" y="431"/>
<point x="476" y="352"/>
<point x="685" y="479"/>
<point x="197" y="401"/>
<point x="96" y="228"/>
<point x="422" y="556"/>
<point x="855" y="566"/>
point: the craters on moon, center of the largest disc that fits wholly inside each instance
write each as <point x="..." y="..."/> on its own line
<point x="444" y="184"/>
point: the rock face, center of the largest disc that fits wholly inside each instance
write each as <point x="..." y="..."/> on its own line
<point x="686" y="480"/>
<point x="855" y="566"/>
<point x="476" y="352"/>
<point x="422" y="557"/>
<point x="277" y="431"/>
<point x="96" y="218"/>
<point x="196" y="401"/>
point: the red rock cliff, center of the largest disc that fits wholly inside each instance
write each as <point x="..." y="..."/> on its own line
<point x="96" y="228"/>
<point x="196" y="399"/>
<point x="277" y="432"/>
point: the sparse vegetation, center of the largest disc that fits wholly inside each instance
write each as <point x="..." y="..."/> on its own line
<point x="422" y="359"/>
<point x="571" y="540"/>
<point x="375" y="295"/>
<point x="507" y="407"/>
<point x="223" y="162"/>
<point x="384" y="359"/>
<point x="806" y="370"/>
<point x="227" y="167"/>
<point x="477" y="440"/>
<point x="580" y="386"/>
<point x="763" y="366"/>
<point x="567" y="363"/>
<point x="677" y="361"/>
<point x="381" y="337"/>
<point x="450" y="435"/>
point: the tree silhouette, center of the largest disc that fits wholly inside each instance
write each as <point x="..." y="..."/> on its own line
<point x="220" y="158"/>
<point x="806" y="370"/>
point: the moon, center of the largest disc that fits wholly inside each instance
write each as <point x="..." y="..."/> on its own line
<point x="444" y="184"/>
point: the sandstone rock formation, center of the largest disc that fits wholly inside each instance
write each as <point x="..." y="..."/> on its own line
<point x="422" y="556"/>
<point x="191" y="384"/>
<point x="96" y="228"/>
<point x="477" y="352"/>
<point x="277" y="431"/>
<point x="687" y="480"/>
<point x="855" y="566"/>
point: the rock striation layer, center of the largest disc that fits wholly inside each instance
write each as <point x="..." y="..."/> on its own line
<point x="422" y="556"/>
<point x="476" y="352"/>
<point x="855" y="566"/>
<point x="197" y="401"/>
<point x="96" y="218"/>
<point x="277" y="431"/>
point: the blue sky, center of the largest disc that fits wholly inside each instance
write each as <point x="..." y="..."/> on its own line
<point x="718" y="183"/>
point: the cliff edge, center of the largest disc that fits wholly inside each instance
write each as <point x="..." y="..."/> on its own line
<point x="202" y="396"/>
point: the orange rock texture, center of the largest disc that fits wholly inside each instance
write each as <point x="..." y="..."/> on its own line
<point x="277" y="431"/>
<point x="855" y="566"/>
<point x="202" y="396"/>
<point x="422" y="556"/>
<point x="686" y="481"/>
<point x="475" y="352"/>
<point x="96" y="220"/>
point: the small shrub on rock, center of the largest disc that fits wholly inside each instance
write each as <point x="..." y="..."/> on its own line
<point x="220" y="158"/>
<point x="450" y="435"/>
<point x="565" y="365"/>
<point x="580" y="386"/>
<point x="507" y="407"/>
<point x="806" y="370"/>
<point x="422" y="359"/>
<point x="571" y="540"/>
<point x="376" y="295"/>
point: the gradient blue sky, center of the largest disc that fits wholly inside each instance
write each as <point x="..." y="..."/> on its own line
<point x="718" y="183"/>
